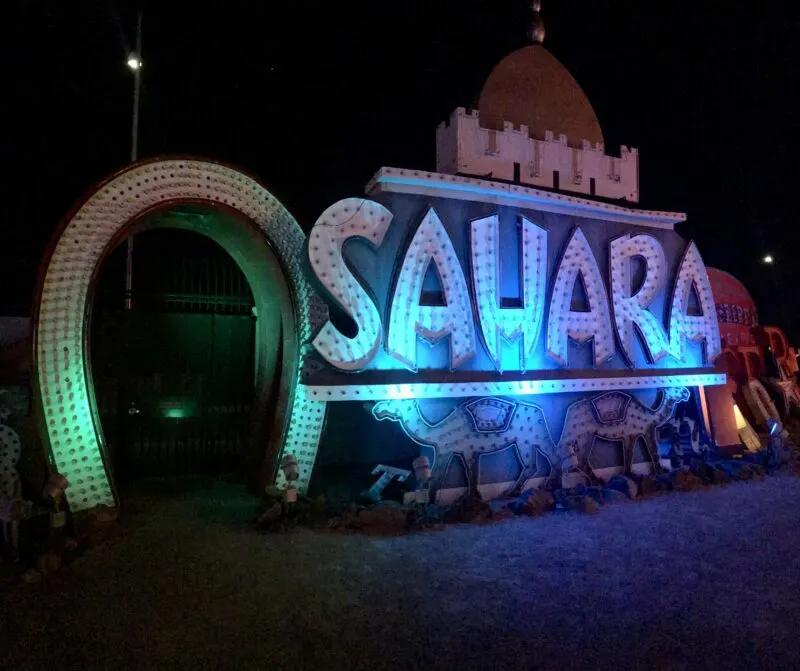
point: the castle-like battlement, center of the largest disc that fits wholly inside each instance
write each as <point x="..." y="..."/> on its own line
<point x="464" y="147"/>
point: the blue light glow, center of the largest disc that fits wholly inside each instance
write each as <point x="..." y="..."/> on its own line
<point x="533" y="198"/>
<point x="522" y="387"/>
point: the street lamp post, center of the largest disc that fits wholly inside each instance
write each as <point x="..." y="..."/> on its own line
<point x="135" y="64"/>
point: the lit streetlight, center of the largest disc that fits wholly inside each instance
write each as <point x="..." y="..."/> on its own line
<point x="767" y="259"/>
<point x="135" y="64"/>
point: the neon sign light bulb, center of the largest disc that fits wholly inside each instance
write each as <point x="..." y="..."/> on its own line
<point x="630" y="311"/>
<point x="349" y="218"/>
<point x="563" y="323"/>
<point x="509" y="324"/>
<point x="408" y="319"/>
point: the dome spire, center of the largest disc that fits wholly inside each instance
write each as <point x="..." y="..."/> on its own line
<point x="537" y="25"/>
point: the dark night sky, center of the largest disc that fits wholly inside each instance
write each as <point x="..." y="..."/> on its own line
<point x="314" y="97"/>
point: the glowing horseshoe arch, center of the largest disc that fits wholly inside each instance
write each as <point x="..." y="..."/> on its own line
<point x="262" y="237"/>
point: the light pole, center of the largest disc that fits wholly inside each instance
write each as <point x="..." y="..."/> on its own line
<point x="135" y="64"/>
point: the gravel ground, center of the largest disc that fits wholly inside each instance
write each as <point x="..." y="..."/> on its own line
<point x="701" y="580"/>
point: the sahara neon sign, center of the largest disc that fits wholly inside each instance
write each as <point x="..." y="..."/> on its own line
<point x="473" y="309"/>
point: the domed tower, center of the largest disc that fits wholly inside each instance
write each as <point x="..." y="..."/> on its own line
<point x="535" y="126"/>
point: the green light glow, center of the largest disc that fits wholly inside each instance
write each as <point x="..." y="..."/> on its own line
<point x="176" y="413"/>
<point x="177" y="408"/>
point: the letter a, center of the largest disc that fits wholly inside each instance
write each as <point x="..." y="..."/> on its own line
<point x="408" y="319"/>
<point x="564" y="323"/>
<point x="696" y="328"/>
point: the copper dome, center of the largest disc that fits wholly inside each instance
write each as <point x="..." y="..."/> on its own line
<point x="530" y="86"/>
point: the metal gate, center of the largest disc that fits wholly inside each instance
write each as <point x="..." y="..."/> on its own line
<point x="174" y="376"/>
